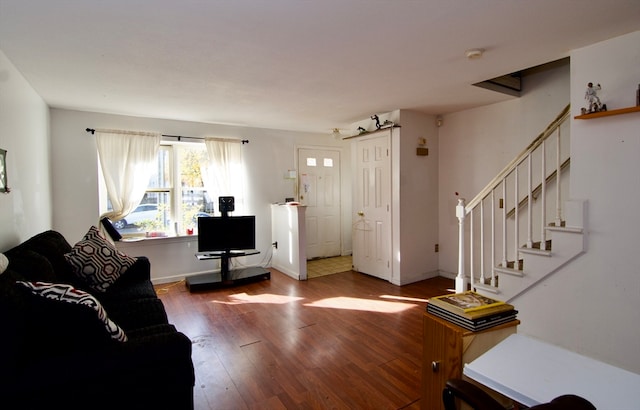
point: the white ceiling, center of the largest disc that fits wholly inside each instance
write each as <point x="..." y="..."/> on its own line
<point x="308" y="65"/>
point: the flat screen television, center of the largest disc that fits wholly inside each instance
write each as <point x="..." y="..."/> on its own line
<point x="225" y="234"/>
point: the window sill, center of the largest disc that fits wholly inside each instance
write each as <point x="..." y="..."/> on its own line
<point x="157" y="240"/>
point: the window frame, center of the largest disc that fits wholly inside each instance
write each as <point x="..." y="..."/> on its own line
<point x="174" y="194"/>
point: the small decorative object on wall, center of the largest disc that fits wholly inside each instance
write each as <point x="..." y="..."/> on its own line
<point x="3" y="171"/>
<point x="591" y="95"/>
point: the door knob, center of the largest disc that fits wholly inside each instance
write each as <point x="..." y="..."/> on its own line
<point x="360" y="213"/>
<point x="435" y="366"/>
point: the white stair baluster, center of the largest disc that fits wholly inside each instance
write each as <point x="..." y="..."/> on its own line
<point x="543" y="198"/>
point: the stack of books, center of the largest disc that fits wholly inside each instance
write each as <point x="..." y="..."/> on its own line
<point x="471" y="310"/>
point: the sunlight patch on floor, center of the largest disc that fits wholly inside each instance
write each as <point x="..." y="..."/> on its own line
<point x="266" y="298"/>
<point x="394" y="297"/>
<point x="395" y="305"/>
<point x="368" y="305"/>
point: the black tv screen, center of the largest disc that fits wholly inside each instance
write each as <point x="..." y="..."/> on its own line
<point x="218" y="234"/>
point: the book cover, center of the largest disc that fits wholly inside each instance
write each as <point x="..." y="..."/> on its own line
<point x="469" y="304"/>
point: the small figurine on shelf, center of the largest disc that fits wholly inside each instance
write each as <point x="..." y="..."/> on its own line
<point x="377" y="120"/>
<point x="591" y="95"/>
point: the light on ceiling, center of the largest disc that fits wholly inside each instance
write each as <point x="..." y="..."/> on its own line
<point x="474" y="53"/>
<point x="336" y="134"/>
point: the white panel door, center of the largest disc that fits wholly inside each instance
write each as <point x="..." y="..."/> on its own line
<point x="372" y="203"/>
<point x="319" y="190"/>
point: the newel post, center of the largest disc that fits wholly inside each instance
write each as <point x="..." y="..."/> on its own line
<point x="461" y="280"/>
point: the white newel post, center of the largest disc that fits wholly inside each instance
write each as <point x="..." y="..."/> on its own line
<point x="461" y="280"/>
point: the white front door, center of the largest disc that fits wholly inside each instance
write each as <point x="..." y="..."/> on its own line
<point x="372" y="206"/>
<point x="319" y="190"/>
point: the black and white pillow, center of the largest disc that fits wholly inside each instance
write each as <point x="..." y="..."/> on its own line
<point x="97" y="261"/>
<point x="68" y="294"/>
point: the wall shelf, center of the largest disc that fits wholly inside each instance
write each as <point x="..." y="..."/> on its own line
<point x="607" y="113"/>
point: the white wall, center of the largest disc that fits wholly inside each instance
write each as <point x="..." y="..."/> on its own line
<point x="24" y="133"/>
<point x="268" y="156"/>
<point x="593" y="305"/>
<point x="418" y="193"/>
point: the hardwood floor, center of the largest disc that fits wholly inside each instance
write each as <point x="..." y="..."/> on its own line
<point x="344" y="341"/>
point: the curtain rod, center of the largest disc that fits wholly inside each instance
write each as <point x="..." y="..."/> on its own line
<point x="179" y="137"/>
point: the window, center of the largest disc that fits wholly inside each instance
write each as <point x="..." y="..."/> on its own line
<point x="175" y="196"/>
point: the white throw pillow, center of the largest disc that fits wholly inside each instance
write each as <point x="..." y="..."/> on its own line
<point x="4" y="262"/>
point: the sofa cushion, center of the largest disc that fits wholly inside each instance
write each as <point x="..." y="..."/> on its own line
<point x="97" y="261"/>
<point x="136" y="313"/>
<point x="68" y="294"/>
<point x="32" y="266"/>
<point x="50" y="245"/>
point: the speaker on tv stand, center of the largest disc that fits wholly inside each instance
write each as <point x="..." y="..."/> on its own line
<point x="226" y="205"/>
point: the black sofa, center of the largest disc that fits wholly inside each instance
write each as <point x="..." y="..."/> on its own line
<point x="55" y="354"/>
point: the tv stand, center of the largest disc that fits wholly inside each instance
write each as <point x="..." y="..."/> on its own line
<point x="226" y="277"/>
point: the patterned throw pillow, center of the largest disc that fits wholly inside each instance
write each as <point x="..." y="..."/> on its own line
<point x="67" y="293"/>
<point x="97" y="261"/>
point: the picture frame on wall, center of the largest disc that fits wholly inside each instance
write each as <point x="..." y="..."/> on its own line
<point x="3" y="171"/>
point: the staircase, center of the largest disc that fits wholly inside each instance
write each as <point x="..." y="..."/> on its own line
<point x="518" y="229"/>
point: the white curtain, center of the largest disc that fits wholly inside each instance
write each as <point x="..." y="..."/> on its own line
<point x="225" y="171"/>
<point x="127" y="160"/>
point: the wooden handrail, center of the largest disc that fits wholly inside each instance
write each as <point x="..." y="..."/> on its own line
<point x="521" y="157"/>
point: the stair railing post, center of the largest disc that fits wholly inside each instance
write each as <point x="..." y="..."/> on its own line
<point x="529" y="203"/>
<point x="482" y="269"/>
<point x="504" y="222"/>
<point x="516" y="224"/>
<point x="558" y="170"/>
<point x="543" y="197"/>
<point x="471" y="260"/>
<point x="493" y="237"/>
<point x="461" y="280"/>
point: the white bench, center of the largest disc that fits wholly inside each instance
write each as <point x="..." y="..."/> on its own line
<point x="532" y="372"/>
